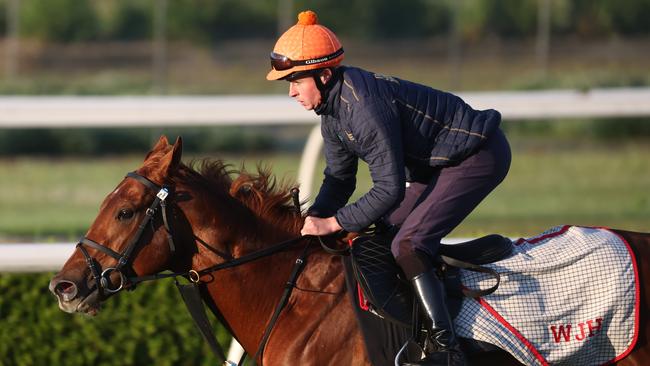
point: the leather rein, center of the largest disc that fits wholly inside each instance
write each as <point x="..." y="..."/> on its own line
<point x="189" y="293"/>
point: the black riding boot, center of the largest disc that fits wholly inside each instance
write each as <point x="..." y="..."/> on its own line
<point x="443" y="347"/>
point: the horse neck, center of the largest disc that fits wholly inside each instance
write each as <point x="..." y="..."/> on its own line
<point x="245" y="295"/>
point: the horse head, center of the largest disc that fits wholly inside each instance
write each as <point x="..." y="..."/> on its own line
<point x="238" y="238"/>
<point x="128" y="237"/>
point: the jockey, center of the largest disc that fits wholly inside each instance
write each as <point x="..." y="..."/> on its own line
<point x="432" y="159"/>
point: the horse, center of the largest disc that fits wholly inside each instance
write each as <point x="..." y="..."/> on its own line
<point x="212" y="220"/>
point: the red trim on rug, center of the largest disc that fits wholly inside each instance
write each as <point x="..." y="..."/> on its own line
<point x="514" y="331"/>
<point x="543" y="237"/>
<point x="637" y="294"/>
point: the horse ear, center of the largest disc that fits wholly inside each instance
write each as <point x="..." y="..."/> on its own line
<point x="172" y="159"/>
<point x="177" y="153"/>
<point x="161" y="144"/>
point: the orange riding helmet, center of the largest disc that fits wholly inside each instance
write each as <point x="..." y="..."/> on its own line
<point x="305" y="46"/>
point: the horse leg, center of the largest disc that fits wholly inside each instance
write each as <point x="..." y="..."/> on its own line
<point x="640" y="244"/>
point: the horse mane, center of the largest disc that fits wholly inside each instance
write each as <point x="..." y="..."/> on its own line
<point x="211" y="175"/>
<point x="260" y="192"/>
<point x="269" y="198"/>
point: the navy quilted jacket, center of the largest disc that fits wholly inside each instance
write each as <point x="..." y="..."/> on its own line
<point x="399" y="128"/>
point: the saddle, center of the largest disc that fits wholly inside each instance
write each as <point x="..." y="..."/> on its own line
<point x="388" y="293"/>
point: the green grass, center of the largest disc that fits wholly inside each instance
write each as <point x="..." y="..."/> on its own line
<point x="596" y="186"/>
<point x="600" y="185"/>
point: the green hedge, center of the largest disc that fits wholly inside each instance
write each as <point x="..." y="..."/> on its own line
<point x="149" y="326"/>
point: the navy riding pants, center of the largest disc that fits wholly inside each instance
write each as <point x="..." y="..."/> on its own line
<point x="431" y="211"/>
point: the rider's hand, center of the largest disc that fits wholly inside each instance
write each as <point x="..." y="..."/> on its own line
<point x="320" y="226"/>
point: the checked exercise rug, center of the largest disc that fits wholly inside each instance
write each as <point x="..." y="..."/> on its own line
<point x="567" y="297"/>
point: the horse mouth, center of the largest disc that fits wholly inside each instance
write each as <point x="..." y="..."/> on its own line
<point x="90" y="304"/>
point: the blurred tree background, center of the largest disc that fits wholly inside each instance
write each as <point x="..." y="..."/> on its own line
<point x="208" y="21"/>
<point x="115" y="47"/>
<point x="220" y="46"/>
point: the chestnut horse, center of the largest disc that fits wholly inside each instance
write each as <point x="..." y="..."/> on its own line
<point x="215" y="219"/>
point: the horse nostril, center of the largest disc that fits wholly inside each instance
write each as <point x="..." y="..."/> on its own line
<point x="66" y="289"/>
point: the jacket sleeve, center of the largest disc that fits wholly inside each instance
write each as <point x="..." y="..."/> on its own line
<point x="340" y="176"/>
<point x="378" y="132"/>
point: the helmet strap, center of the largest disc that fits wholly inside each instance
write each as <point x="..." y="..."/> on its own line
<point x="319" y="83"/>
<point x="324" y="88"/>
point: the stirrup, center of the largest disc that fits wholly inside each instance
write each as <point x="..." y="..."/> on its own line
<point x="452" y="356"/>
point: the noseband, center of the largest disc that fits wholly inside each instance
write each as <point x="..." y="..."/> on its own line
<point x="124" y="259"/>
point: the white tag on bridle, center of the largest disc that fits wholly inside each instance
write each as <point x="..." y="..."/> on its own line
<point x="162" y="194"/>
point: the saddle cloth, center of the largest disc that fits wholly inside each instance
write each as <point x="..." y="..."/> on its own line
<point x="567" y="297"/>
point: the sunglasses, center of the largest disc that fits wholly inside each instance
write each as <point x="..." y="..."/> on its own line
<point x="280" y="62"/>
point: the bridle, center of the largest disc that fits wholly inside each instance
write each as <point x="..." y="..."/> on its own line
<point x="130" y="279"/>
<point x="124" y="259"/>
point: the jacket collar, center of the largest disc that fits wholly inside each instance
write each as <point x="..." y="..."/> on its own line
<point x="330" y="101"/>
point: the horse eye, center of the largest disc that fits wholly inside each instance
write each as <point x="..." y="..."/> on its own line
<point x="124" y="214"/>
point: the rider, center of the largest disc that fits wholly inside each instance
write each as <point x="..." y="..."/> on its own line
<point x="432" y="159"/>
